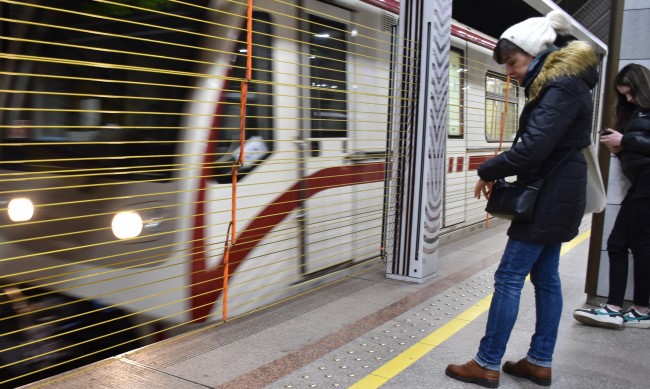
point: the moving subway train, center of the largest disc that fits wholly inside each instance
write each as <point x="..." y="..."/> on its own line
<point x="170" y="163"/>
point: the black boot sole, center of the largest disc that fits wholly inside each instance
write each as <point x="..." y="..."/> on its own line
<point x="478" y="381"/>
<point x="532" y="378"/>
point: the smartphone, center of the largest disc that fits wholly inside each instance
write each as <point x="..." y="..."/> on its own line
<point x="605" y="132"/>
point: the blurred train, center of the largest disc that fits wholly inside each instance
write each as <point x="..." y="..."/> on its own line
<point x="120" y="127"/>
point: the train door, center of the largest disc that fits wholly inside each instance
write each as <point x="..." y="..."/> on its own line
<point x="328" y="227"/>
<point x="455" y="198"/>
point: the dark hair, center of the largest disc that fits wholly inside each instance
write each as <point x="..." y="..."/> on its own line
<point x="504" y="49"/>
<point x="637" y="78"/>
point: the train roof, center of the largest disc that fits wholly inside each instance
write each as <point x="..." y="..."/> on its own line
<point x="472" y="35"/>
<point x="494" y="17"/>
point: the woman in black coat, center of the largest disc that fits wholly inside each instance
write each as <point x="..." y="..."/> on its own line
<point x="632" y="227"/>
<point x="554" y="127"/>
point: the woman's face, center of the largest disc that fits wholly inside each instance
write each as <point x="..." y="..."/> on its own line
<point x="627" y="92"/>
<point x="517" y="65"/>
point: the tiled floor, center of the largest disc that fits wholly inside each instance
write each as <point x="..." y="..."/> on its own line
<point x="340" y="335"/>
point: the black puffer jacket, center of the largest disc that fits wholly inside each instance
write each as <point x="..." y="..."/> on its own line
<point x="555" y="122"/>
<point x="635" y="157"/>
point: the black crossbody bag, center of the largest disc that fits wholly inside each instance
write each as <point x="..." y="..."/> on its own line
<point x="517" y="200"/>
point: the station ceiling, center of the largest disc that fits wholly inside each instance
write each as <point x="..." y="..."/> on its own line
<point x="493" y="17"/>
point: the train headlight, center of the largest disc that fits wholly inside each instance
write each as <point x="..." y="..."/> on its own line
<point x="127" y="224"/>
<point x="20" y="209"/>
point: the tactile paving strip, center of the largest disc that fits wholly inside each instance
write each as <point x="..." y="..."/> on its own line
<point x="350" y="363"/>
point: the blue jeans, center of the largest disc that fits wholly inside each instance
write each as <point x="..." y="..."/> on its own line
<point x="519" y="259"/>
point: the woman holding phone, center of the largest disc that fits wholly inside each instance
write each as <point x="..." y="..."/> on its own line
<point x="631" y="144"/>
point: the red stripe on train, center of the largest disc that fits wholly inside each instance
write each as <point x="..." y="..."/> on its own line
<point x="476" y="160"/>
<point x="206" y="285"/>
<point x="460" y="32"/>
<point x="470" y="36"/>
<point x="388" y="5"/>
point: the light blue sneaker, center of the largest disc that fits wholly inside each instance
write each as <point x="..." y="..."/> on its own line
<point x="600" y="317"/>
<point x="633" y="318"/>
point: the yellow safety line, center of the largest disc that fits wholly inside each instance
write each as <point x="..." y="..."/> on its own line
<point x="576" y="241"/>
<point x="411" y="355"/>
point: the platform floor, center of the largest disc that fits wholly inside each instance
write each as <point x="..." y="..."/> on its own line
<point x="368" y="331"/>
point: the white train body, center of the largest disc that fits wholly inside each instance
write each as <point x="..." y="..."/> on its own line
<point x="309" y="203"/>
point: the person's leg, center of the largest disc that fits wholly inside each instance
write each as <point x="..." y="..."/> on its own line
<point x="509" y="278"/>
<point x="611" y="315"/>
<point x="618" y="251"/>
<point x="640" y="246"/>
<point x="545" y="276"/>
<point x="639" y="316"/>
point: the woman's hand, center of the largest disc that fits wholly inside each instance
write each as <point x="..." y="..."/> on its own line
<point x="612" y="139"/>
<point x="484" y="187"/>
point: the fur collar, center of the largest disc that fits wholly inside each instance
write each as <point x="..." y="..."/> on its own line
<point x="572" y="60"/>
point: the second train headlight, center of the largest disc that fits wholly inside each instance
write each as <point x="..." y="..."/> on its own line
<point x="20" y="209"/>
<point x="127" y="224"/>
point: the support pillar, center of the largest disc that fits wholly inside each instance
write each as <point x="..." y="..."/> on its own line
<point x="418" y="139"/>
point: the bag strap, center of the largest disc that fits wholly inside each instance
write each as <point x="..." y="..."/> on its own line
<point x="556" y="165"/>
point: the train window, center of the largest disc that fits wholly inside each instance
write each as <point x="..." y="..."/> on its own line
<point x="457" y="73"/>
<point x="95" y="92"/>
<point x="327" y="63"/>
<point x="496" y="90"/>
<point x="259" y="103"/>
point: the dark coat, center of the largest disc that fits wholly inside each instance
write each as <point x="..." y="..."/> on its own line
<point x="635" y="157"/>
<point x="555" y="122"/>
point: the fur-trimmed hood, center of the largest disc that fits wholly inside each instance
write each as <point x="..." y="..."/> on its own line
<point x="576" y="59"/>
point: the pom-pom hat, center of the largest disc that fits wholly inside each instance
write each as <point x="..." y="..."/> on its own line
<point x="537" y="34"/>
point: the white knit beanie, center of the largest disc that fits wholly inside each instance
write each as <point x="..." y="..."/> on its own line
<point x="535" y="35"/>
